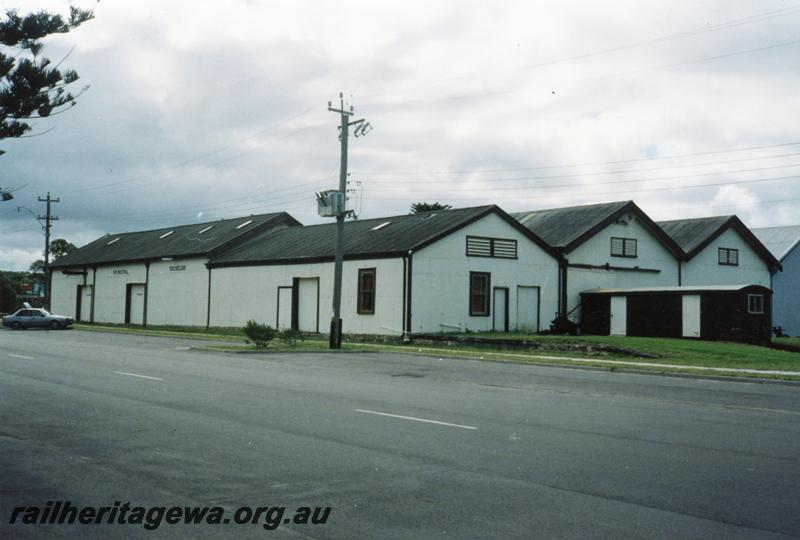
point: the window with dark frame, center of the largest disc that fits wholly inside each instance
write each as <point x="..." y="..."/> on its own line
<point x="479" y="294"/>
<point x="728" y="256"/>
<point x="755" y="304"/>
<point x="498" y="248"/>
<point x="366" y="291"/>
<point x="624" y="247"/>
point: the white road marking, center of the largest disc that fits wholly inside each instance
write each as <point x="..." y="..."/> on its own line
<point x="136" y="375"/>
<point x="20" y="356"/>
<point x="437" y="422"/>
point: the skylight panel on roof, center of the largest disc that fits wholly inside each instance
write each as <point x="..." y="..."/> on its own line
<point x="206" y="229"/>
<point x="114" y="240"/>
<point x="166" y="234"/>
<point x="245" y="224"/>
<point x="381" y="226"/>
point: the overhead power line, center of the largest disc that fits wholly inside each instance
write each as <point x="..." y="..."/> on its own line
<point x="189" y="161"/>
<point x="626" y="192"/>
<point x="589" y="164"/>
<point x="758" y="17"/>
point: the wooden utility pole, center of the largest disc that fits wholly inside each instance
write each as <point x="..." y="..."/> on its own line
<point x="48" y="217"/>
<point x="362" y="128"/>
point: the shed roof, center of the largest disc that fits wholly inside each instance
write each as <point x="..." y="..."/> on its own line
<point x="690" y="233"/>
<point x="198" y="239"/>
<point x="779" y="240"/>
<point x="569" y="227"/>
<point x="683" y="289"/>
<point x="379" y="237"/>
<point x="694" y="234"/>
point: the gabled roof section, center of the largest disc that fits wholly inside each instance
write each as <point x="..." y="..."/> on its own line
<point x="199" y="239"/>
<point x="567" y="228"/>
<point x="368" y="238"/>
<point x="693" y="235"/>
<point x="780" y="241"/>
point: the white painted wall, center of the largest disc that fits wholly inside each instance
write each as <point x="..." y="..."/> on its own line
<point x="110" y="290"/>
<point x="251" y="292"/>
<point x="64" y="293"/>
<point x="178" y="292"/>
<point x="651" y="253"/>
<point x="704" y="268"/>
<point x="440" y="282"/>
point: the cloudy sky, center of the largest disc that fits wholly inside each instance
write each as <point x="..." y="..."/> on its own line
<point x="198" y="111"/>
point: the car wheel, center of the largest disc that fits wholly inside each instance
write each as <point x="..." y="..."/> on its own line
<point x="54" y="325"/>
<point x="15" y="325"/>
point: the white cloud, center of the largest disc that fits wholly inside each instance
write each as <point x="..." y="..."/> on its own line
<point x="198" y="111"/>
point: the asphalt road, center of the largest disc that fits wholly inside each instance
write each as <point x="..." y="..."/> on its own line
<point x="398" y="446"/>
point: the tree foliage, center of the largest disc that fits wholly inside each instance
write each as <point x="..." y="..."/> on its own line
<point x="259" y="334"/>
<point x="8" y="295"/>
<point x="36" y="267"/>
<point x="32" y="86"/>
<point x="58" y="248"/>
<point x="416" y="208"/>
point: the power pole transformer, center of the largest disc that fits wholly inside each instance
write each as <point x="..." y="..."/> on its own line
<point x="334" y="203"/>
<point x="48" y="218"/>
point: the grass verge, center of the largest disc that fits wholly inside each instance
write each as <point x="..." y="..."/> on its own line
<point x="681" y="352"/>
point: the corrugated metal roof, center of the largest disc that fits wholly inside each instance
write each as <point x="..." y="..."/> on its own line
<point x="385" y="236"/>
<point x="362" y="237"/>
<point x="686" y="289"/>
<point x="779" y="240"/>
<point x="694" y="235"/>
<point x="199" y="239"/>
<point x="561" y="226"/>
<point x="690" y="233"/>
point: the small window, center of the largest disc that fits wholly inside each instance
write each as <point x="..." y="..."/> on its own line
<point x="623" y="247"/>
<point x="114" y="240"/>
<point x="166" y="234"/>
<point x="245" y="224"/>
<point x="728" y="256"/>
<point x="755" y="304"/>
<point x="206" y="229"/>
<point x="500" y="248"/>
<point x="479" y="294"/>
<point x="366" y="291"/>
<point x="381" y="226"/>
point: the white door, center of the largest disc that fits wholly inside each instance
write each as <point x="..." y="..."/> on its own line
<point x="137" y="304"/>
<point x="308" y="304"/>
<point x="500" y="314"/>
<point x="691" y="315"/>
<point x="619" y="315"/>
<point x="284" y="307"/>
<point x="527" y="309"/>
<point x="86" y="303"/>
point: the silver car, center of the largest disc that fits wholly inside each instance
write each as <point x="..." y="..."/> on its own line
<point x="35" y="318"/>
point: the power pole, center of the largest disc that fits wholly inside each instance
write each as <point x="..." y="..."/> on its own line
<point x="340" y="211"/>
<point x="47" y="219"/>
